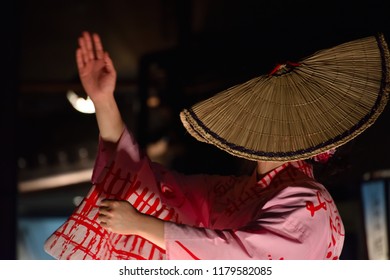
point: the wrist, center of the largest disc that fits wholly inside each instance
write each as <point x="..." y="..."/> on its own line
<point x="104" y="102"/>
<point x="109" y="119"/>
<point x="143" y="222"/>
<point x="152" y="229"/>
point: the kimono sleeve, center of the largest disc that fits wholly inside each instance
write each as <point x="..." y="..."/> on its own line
<point x="299" y="223"/>
<point x="125" y="152"/>
<point x="125" y="172"/>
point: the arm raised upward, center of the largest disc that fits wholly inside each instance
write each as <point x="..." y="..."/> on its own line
<point x="98" y="77"/>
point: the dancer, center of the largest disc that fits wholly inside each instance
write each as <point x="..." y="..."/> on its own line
<point x="138" y="209"/>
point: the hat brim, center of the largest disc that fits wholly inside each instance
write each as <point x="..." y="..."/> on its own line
<point x="328" y="99"/>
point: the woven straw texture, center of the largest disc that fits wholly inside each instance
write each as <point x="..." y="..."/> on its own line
<point x="298" y="110"/>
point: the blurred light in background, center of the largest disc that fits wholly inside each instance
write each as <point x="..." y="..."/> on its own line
<point x="55" y="180"/>
<point x="83" y="105"/>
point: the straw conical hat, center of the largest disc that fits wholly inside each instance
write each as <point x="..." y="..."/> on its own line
<point x="299" y="110"/>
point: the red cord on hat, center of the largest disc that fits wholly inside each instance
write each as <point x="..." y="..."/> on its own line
<point x="288" y="66"/>
<point x="325" y="156"/>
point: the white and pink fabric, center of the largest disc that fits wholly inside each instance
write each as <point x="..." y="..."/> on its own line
<point x="284" y="215"/>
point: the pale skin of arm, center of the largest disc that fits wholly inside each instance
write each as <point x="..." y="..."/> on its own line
<point x="98" y="77"/>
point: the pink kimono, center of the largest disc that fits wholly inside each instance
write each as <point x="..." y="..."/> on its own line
<point x="285" y="215"/>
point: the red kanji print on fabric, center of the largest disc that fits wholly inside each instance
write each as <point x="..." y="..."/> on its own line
<point x="327" y="204"/>
<point x="81" y="236"/>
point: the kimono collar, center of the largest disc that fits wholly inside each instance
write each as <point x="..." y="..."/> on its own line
<point x="301" y="165"/>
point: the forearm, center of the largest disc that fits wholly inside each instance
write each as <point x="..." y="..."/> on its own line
<point x="152" y="229"/>
<point x="109" y="119"/>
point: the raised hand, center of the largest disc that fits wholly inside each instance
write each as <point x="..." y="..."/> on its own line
<point x="96" y="70"/>
<point x="98" y="76"/>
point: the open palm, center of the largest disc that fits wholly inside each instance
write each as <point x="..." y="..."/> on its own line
<point x="96" y="70"/>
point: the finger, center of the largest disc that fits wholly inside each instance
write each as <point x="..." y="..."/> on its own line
<point x="84" y="51"/>
<point x="102" y="218"/>
<point x="104" y="224"/>
<point x="105" y="211"/>
<point x="108" y="62"/>
<point x="103" y="221"/>
<point x="104" y="215"/>
<point x="106" y="203"/>
<point x="98" y="46"/>
<point x="88" y="45"/>
<point x="79" y="59"/>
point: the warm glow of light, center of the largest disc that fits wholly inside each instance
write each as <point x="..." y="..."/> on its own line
<point x="55" y="181"/>
<point x="80" y="104"/>
<point x="157" y="149"/>
<point x="153" y="102"/>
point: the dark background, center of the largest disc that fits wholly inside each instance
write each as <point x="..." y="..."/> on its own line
<point x="178" y="51"/>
